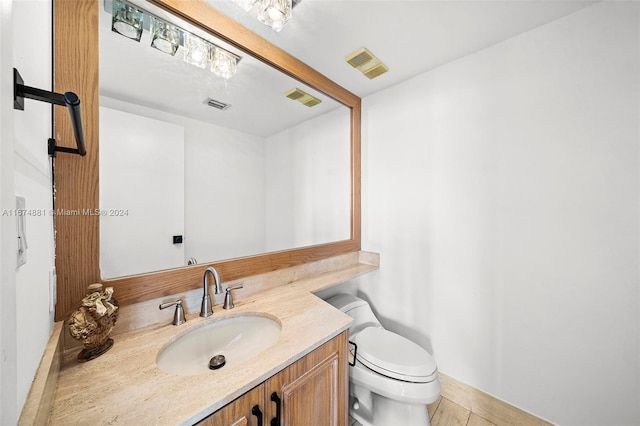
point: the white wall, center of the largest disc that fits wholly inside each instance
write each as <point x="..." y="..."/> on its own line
<point x="225" y="200"/>
<point x="502" y="191"/>
<point x="24" y="303"/>
<point x="142" y="200"/>
<point x="221" y="220"/>
<point x="308" y="171"/>
<point x="8" y="245"/>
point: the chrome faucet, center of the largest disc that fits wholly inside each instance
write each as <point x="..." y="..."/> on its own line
<point x="205" y="308"/>
<point x="178" y="314"/>
<point x="228" y="298"/>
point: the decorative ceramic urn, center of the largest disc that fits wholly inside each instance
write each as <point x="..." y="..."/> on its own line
<point x="93" y="321"/>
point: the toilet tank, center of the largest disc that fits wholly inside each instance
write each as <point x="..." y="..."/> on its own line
<point x="357" y="309"/>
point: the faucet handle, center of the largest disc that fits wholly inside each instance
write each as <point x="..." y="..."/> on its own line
<point x="228" y="297"/>
<point x="178" y="314"/>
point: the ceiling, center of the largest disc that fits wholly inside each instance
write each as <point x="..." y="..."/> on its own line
<point x="135" y="73"/>
<point x="410" y="37"/>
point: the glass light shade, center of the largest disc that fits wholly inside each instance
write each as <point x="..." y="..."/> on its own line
<point x="247" y="5"/>
<point x="164" y="37"/>
<point x="126" y="20"/>
<point x="223" y="63"/>
<point x="274" y="13"/>
<point x="197" y="51"/>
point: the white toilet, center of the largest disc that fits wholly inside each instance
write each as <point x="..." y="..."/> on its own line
<point x="393" y="379"/>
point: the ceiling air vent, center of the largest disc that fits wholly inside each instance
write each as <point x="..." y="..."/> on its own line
<point x="295" y="94"/>
<point x="375" y="71"/>
<point x="217" y="104"/>
<point x="311" y="102"/>
<point x="303" y="97"/>
<point x="367" y="63"/>
<point x="359" y="58"/>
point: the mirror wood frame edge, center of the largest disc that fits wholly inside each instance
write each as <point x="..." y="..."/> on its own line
<point x="76" y="178"/>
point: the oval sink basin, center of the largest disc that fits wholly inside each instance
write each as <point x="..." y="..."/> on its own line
<point x="237" y="338"/>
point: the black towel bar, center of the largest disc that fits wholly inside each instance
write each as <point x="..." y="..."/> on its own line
<point x="68" y="99"/>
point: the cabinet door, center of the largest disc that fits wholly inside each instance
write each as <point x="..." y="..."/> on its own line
<point x="240" y="412"/>
<point x="313" y="390"/>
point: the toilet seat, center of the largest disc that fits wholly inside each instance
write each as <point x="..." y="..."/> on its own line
<point x="394" y="356"/>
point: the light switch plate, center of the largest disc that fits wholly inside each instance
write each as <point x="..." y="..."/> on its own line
<point x="21" y="230"/>
<point x="53" y="278"/>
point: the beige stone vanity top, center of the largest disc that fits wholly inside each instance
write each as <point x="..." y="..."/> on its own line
<point x="125" y="387"/>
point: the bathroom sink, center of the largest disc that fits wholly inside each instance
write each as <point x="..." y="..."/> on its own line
<point x="236" y="338"/>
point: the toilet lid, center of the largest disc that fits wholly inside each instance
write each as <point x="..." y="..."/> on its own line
<point x="394" y="356"/>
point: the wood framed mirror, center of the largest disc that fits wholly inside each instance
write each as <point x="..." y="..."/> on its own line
<point x="76" y="178"/>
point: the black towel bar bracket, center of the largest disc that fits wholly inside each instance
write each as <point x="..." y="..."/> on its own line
<point x="68" y="99"/>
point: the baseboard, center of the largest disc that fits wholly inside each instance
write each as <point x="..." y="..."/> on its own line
<point x="38" y="404"/>
<point x="486" y="406"/>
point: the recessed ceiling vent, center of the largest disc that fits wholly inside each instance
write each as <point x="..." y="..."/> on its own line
<point x="217" y="104"/>
<point x="367" y="63"/>
<point x="303" y="97"/>
<point x="359" y="58"/>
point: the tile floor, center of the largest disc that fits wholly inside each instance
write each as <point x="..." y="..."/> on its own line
<point x="446" y="413"/>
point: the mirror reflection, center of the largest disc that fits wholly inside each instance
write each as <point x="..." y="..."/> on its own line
<point x="193" y="181"/>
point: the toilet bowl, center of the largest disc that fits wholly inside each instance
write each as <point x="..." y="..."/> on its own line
<point x="393" y="378"/>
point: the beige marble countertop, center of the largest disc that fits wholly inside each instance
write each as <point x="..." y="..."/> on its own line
<point x="125" y="387"/>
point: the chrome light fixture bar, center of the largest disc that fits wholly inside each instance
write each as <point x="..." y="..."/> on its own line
<point x="129" y="21"/>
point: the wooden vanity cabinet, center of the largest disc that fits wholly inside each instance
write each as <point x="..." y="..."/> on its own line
<point x="241" y="411"/>
<point x="311" y="391"/>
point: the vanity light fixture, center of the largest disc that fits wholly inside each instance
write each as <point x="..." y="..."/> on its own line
<point x="126" y="20"/>
<point x="130" y="21"/>
<point x="274" y="13"/>
<point x="224" y="64"/>
<point x="367" y="63"/>
<point x="197" y="51"/>
<point x="164" y="36"/>
<point x="303" y="97"/>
